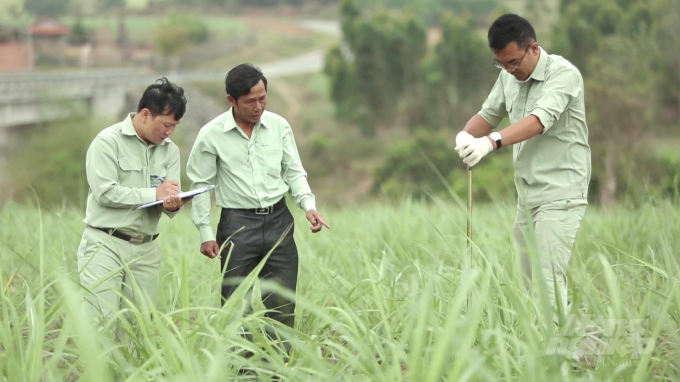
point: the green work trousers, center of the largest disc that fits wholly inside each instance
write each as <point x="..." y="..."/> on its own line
<point x="112" y="268"/>
<point x="546" y="234"/>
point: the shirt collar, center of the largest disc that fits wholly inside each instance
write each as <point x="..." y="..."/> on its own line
<point x="539" y="71"/>
<point x="129" y="129"/>
<point x="230" y="122"/>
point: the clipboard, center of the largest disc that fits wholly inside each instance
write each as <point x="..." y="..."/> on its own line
<point x="182" y="195"/>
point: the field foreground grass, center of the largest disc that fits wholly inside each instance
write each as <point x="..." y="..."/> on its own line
<point x="385" y="295"/>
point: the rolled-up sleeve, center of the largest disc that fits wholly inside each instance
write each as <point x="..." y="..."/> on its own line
<point x="493" y="108"/>
<point x="560" y="89"/>
<point x="202" y="170"/>
<point x="294" y="174"/>
<point x="101" y="169"/>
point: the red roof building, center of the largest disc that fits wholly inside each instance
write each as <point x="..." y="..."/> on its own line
<point x="50" y="39"/>
<point x="49" y="28"/>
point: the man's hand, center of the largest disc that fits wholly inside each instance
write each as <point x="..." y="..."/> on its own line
<point x="475" y="150"/>
<point x="174" y="203"/>
<point x="463" y="138"/>
<point x="317" y="221"/>
<point x="210" y="249"/>
<point x="167" y="188"/>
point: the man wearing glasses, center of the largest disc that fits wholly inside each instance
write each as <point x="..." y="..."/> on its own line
<point x="250" y="153"/>
<point x="127" y="166"/>
<point x="543" y="96"/>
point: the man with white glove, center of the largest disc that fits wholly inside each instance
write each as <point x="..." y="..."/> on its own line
<point x="543" y="96"/>
<point x="473" y="150"/>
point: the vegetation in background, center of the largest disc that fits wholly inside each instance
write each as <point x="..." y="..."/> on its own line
<point x="173" y="36"/>
<point x="627" y="98"/>
<point x="80" y="34"/>
<point x="399" y="75"/>
<point x="42" y="8"/>
<point x="12" y="12"/>
<point x="381" y="78"/>
<point x="51" y="163"/>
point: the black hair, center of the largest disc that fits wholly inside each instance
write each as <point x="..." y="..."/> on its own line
<point x="508" y="28"/>
<point x="164" y="98"/>
<point x="242" y="78"/>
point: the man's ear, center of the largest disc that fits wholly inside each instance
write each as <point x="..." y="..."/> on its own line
<point x="231" y="100"/>
<point x="145" y="114"/>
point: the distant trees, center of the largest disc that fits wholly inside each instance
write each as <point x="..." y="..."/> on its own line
<point x="383" y="73"/>
<point x="172" y="37"/>
<point x="626" y="54"/>
<point x="369" y="87"/>
<point x="53" y="8"/>
<point x="383" y="77"/>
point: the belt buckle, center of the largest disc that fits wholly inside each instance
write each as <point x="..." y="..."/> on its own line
<point x="137" y="239"/>
<point x="263" y="211"/>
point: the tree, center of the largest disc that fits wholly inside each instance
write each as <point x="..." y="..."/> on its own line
<point x="41" y="8"/>
<point x="123" y="39"/>
<point x="460" y="73"/>
<point x="609" y="41"/>
<point x="176" y="34"/>
<point x="10" y="10"/>
<point x="384" y="51"/>
<point x="667" y="62"/>
<point x="620" y="109"/>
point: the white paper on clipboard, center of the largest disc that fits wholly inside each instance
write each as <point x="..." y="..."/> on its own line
<point x="182" y="195"/>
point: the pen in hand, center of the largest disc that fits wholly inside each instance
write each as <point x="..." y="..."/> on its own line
<point x="160" y="178"/>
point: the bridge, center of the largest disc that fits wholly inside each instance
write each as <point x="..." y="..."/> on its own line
<point x="31" y="98"/>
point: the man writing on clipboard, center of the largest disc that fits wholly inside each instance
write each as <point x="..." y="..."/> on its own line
<point x="127" y="164"/>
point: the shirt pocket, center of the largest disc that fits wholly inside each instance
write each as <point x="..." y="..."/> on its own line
<point x="272" y="161"/>
<point x="273" y="177"/>
<point x="159" y="171"/>
<point x="272" y="158"/>
<point x="508" y="106"/>
<point x="130" y="172"/>
<point x="531" y="102"/>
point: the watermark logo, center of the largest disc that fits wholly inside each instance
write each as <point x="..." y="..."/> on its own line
<point x="602" y="340"/>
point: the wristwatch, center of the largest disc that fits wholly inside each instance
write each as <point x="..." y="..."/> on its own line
<point x="496" y="137"/>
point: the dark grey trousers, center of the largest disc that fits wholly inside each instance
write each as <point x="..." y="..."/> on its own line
<point x="257" y="236"/>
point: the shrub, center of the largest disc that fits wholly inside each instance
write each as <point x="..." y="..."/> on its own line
<point x="52" y="163"/>
<point x="427" y="164"/>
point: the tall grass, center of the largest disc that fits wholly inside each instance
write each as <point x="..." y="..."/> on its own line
<point x="383" y="296"/>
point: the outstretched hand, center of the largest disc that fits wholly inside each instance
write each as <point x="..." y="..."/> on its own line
<point x="317" y="221"/>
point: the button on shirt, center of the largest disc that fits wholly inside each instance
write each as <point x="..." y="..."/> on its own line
<point x="120" y="167"/>
<point x="253" y="172"/>
<point x="555" y="164"/>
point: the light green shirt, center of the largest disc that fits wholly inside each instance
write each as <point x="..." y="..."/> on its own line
<point x="249" y="173"/>
<point x="555" y="164"/>
<point x="119" y="168"/>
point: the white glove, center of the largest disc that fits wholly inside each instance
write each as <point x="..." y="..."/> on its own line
<point x="475" y="150"/>
<point x="462" y="139"/>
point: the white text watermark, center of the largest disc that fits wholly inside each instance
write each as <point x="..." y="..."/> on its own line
<point x="602" y="340"/>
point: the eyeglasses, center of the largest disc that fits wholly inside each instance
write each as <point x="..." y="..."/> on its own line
<point x="513" y="67"/>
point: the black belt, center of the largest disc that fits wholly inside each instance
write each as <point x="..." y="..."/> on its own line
<point x="137" y="239"/>
<point x="262" y="211"/>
